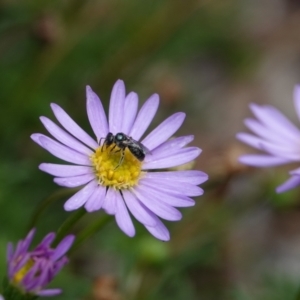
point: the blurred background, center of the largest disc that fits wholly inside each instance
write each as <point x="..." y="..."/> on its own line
<point x="208" y="58"/>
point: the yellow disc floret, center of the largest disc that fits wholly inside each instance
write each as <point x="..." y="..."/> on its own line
<point x="18" y="276"/>
<point x="111" y="171"/>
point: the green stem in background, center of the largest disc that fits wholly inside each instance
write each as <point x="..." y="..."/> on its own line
<point x="298" y="295"/>
<point x="89" y="231"/>
<point x="48" y="201"/>
<point x="66" y="226"/>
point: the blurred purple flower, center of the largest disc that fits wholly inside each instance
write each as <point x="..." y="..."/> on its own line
<point x="276" y="136"/>
<point x="32" y="270"/>
<point x="147" y="195"/>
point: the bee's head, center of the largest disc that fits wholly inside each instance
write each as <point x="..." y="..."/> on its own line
<point x="109" y="139"/>
<point x="120" y="137"/>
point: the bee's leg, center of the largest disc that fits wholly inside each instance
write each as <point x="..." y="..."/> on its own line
<point x="112" y="148"/>
<point x="121" y="159"/>
<point x="101" y="140"/>
<point x="103" y="143"/>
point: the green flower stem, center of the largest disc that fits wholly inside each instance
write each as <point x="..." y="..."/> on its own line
<point x="89" y="231"/>
<point x="10" y="292"/>
<point x="64" y="229"/>
<point x="62" y="193"/>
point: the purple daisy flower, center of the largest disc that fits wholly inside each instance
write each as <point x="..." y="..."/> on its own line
<point x="32" y="270"/>
<point x="116" y="179"/>
<point x="276" y="136"/>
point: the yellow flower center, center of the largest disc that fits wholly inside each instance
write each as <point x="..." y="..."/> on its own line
<point x="112" y="172"/>
<point x="18" y="276"/>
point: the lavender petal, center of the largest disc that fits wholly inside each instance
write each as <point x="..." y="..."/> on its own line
<point x="44" y="276"/>
<point x="265" y="132"/>
<point x="160" y="231"/>
<point x="116" y="107"/>
<point x="96" y="114"/>
<point x="65" y="170"/>
<point x="297" y="99"/>
<point x="60" y="151"/>
<point x="192" y="176"/>
<point x="183" y="156"/>
<point x="164" y="131"/>
<point x="156" y="205"/>
<point x="74" y="181"/>
<point x="80" y="197"/>
<point x="168" y="148"/>
<point x="109" y="204"/>
<point x="63" y="247"/>
<point x="295" y="172"/>
<point x="123" y="218"/>
<point x="30" y="281"/>
<point x="261" y="160"/>
<point x="36" y="138"/>
<point x="276" y="121"/>
<point x="288" y="151"/>
<point x="291" y="183"/>
<point x="138" y="210"/>
<point x="20" y="264"/>
<point x="130" y="110"/>
<point x="49" y="292"/>
<point x="64" y="138"/>
<point x="251" y="140"/>
<point x="47" y="240"/>
<point x="19" y="249"/>
<point x="145" y="117"/>
<point x="181" y="188"/>
<point x="28" y="240"/>
<point x="169" y="198"/>
<point x="66" y="121"/>
<point x="96" y="200"/>
<point x="59" y="265"/>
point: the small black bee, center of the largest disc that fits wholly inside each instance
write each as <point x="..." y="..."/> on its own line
<point x="124" y="141"/>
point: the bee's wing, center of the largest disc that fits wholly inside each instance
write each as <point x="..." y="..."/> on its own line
<point x="145" y="149"/>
